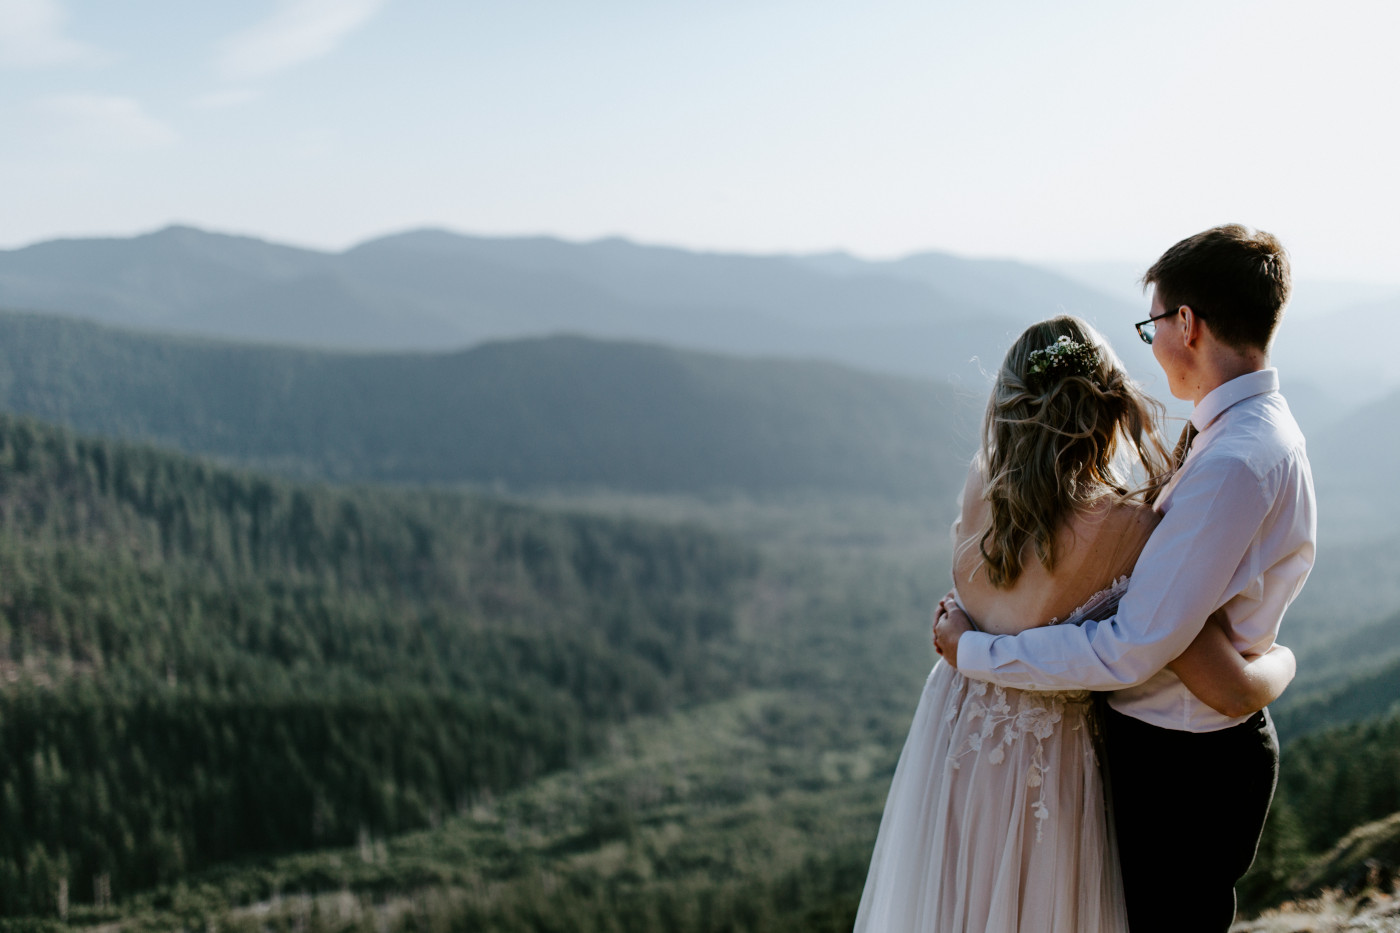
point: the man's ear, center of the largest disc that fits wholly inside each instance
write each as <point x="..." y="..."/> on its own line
<point x="1193" y="328"/>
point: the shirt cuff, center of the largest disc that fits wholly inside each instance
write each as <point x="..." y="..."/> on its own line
<point x="975" y="655"/>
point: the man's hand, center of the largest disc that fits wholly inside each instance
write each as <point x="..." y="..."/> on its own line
<point x="949" y="624"/>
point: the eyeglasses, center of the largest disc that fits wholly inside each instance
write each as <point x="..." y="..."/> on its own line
<point x="1148" y="329"/>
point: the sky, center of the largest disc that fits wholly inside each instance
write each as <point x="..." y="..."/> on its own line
<point x="1066" y="131"/>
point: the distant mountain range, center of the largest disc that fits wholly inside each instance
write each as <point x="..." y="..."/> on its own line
<point x="414" y="301"/>
<point x="1349" y="354"/>
<point x="929" y="315"/>
<point x="1354" y="459"/>
<point x="926" y="315"/>
<point x="560" y="412"/>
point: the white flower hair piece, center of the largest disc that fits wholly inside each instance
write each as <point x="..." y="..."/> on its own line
<point x="1063" y="358"/>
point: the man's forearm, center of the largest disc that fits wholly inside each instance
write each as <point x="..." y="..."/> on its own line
<point x="1052" y="657"/>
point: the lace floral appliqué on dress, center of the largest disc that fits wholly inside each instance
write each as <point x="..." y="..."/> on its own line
<point x="1033" y="720"/>
<point x="995" y="819"/>
<point x="1036" y="714"/>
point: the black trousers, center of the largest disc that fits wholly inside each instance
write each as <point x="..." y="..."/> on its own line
<point x="1188" y="809"/>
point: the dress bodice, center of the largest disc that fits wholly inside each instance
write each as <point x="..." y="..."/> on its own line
<point x="1003" y="718"/>
<point x="1101" y="605"/>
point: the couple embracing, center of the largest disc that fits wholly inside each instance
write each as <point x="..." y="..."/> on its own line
<point x="1020" y="805"/>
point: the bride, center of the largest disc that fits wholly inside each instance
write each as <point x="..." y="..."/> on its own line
<point x="996" y="819"/>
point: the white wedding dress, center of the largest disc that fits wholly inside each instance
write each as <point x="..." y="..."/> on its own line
<point x="996" y="820"/>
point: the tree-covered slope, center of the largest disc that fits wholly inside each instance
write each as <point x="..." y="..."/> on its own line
<point x="210" y="666"/>
<point x="203" y="664"/>
<point x="558" y="412"/>
<point x="1330" y="783"/>
<point x="1353" y="677"/>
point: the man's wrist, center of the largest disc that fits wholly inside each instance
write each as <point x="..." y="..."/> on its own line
<point x="973" y="651"/>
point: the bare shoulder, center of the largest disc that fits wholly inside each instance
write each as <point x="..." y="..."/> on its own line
<point x="972" y="515"/>
<point x="972" y="507"/>
<point x="974" y="484"/>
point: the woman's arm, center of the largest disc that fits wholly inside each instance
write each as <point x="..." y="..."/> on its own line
<point x="1225" y="680"/>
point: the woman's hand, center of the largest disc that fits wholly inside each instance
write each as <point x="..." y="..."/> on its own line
<point x="949" y="624"/>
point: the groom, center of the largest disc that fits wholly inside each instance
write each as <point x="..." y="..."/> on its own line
<point x="1190" y="787"/>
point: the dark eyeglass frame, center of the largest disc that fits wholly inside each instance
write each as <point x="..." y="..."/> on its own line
<point x="1151" y="325"/>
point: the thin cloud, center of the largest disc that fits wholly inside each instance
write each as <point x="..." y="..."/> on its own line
<point x="300" y="31"/>
<point x="31" y="36"/>
<point x="222" y="100"/>
<point x="100" y="122"/>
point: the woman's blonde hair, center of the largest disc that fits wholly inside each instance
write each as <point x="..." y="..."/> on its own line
<point x="1060" y="409"/>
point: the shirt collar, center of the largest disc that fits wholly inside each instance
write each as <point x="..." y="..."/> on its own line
<point x="1232" y="393"/>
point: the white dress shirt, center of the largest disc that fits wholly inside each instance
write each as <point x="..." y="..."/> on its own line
<point x="1238" y="530"/>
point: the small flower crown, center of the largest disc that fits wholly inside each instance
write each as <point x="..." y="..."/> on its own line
<point x="1063" y="358"/>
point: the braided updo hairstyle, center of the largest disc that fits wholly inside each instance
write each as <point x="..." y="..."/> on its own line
<point x="1060" y="409"/>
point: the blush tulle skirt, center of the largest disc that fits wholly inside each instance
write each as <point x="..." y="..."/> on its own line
<point x="995" y="820"/>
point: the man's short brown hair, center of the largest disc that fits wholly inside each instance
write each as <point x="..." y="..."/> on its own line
<point x="1235" y="278"/>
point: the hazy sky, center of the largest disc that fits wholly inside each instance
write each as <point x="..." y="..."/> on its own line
<point x="1040" y="130"/>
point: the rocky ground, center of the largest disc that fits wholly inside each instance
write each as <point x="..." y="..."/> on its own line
<point x="1374" y="912"/>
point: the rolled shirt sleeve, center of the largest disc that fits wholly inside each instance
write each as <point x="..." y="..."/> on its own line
<point x="1196" y="560"/>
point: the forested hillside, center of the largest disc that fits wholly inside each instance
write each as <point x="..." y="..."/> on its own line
<point x="203" y="664"/>
<point x="560" y="412"/>
<point x="1331" y="782"/>
<point x="230" y="696"/>
<point x="220" y="685"/>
